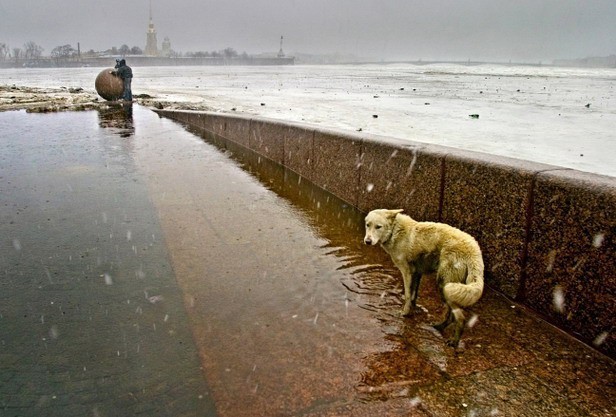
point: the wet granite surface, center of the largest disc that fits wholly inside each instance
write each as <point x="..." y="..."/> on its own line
<point x="299" y="151"/>
<point x="238" y="128"/>
<point x="401" y="175"/>
<point x="488" y="197"/>
<point x="336" y="164"/>
<point x="571" y="276"/>
<point x="267" y="139"/>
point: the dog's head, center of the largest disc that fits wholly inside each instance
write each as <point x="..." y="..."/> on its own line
<point x="379" y="225"/>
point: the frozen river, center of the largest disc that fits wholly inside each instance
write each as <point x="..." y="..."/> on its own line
<point x="558" y="116"/>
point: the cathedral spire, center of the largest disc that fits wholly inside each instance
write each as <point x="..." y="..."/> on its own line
<point x="151" y="44"/>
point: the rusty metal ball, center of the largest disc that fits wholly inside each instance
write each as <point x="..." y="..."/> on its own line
<point x="109" y="86"/>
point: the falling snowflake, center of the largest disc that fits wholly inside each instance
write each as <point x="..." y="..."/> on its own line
<point x="551" y="259"/>
<point x="597" y="241"/>
<point x="155" y="299"/>
<point x="54" y="333"/>
<point x="558" y="300"/>
<point x="600" y="339"/>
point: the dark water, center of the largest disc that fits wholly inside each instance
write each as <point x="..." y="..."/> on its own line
<point x="147" y="269"/>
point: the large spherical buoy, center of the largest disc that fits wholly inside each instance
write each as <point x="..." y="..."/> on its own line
<point x="109" y="86"/>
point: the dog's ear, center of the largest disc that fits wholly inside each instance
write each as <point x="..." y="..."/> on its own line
<point x="394" y="213"/>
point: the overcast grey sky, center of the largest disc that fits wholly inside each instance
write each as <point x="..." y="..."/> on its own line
<point x="503" y="30"/>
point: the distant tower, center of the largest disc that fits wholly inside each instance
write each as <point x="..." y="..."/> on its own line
<point x="280" y="53"/>
<point x="151" y="44"/>
<point x="166" y="47"/>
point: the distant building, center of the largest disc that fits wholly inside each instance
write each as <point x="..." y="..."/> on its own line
<point x="151" y="44"/>
<point x="166" y="48"/>
<point x="281" y="52"/>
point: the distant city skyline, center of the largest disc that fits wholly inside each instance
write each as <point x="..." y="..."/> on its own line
<point x="496" y="30"/>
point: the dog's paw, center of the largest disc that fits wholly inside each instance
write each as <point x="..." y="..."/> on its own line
<point x="405" y="312"/>
<point x="453" y="343"/>
<point x="440" y="327"/>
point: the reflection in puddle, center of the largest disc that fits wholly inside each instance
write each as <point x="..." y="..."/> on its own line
<point x="119" y="118"/>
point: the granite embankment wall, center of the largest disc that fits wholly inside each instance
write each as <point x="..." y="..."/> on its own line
<point x="547" y="233"/>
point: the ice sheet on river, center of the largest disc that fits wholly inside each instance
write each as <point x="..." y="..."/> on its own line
<point x="559" y="116"/>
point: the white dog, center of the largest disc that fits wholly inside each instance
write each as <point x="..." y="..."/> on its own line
<point x="418" y="248"/>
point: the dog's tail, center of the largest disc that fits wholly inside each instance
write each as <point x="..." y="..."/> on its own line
<point x="465" y="295"/>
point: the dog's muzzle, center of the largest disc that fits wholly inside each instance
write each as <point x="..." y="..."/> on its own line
<point x="368" y="241"/>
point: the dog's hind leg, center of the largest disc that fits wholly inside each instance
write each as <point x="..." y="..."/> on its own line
<point x="457" y="333"/>
<point x="449" y="318"/>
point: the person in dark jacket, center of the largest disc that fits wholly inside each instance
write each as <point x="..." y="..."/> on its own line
<point x="126" y="74"/>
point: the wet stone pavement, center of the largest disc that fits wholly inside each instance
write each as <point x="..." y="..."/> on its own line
<point x="91" y="319"/>
<point x="146" y="271"/>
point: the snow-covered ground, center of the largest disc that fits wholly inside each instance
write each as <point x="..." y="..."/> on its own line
<point x="559" y="116"/>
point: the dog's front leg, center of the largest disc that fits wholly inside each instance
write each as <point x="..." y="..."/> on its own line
<point x="405" y="269"/>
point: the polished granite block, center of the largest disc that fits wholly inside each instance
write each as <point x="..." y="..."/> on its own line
<point x="219" y="126"/>
<point x="191" y="117"/>
<point x="199" y="120"/>
<point x="267" y="138"/>
<point x="488" y="197"/>
<point x="571" y="272"/>
<point x="402" y="175"/>
<point x="337" y="164"/>
<point x="204" y="121"/>
<point x="236" y="128"/>
<point x="298" y="150"/>
<point x="179" y="116"/>
<point x="216" y="140"/>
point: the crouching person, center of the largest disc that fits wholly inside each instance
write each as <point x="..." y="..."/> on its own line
<point x="126" y="74"/>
